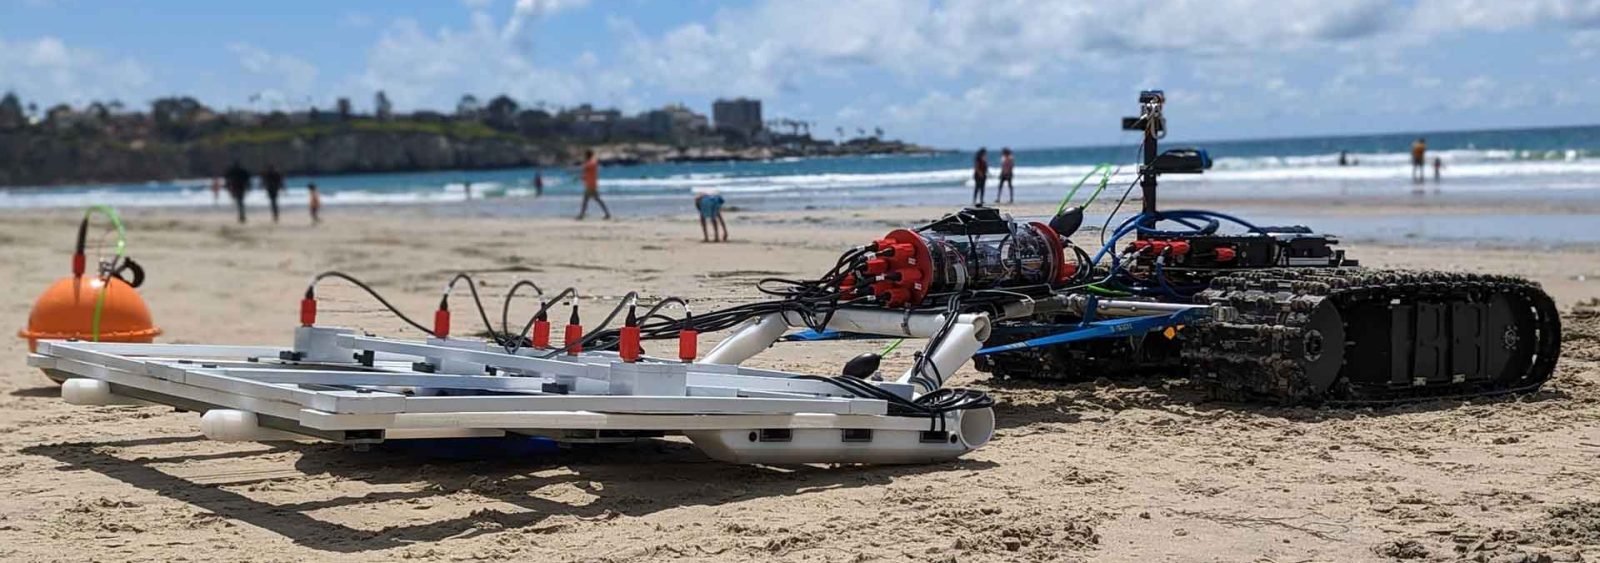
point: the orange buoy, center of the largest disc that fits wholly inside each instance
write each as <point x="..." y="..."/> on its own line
<point x="97" y="308"/>
<point x="67" y="310"/>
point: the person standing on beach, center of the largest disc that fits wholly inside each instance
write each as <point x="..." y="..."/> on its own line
<point x="1007" y="163"/>
<point x="272" y="181"/>
<point x="315" y="203"/>
<point x="216" y="191"/>
<point x="591" y="185"/>
<point x="1437" y="164"/>
<point x="1419" y="159"/>
<point x="709" y="205"/>
<point x="238" y="180"/>
<point x="980" y="175"/>
<point x="538" y="183"/>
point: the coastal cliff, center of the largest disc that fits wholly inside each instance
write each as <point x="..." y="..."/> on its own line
<point x="50" y="159"/>
<point x="33" y="159"/>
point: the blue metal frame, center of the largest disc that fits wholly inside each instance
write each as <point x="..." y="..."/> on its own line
<point x="1091" y="329"/>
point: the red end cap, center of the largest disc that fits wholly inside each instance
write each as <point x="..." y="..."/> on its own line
<point x="79" y="263"/>
<point x="877" y="266"/>
<point x="574" y="337"/>
<point x="1179" y="248"/>
<point x="1225" y="254"/>
<point x="688" y="344"/>
<point x="308" y="311"/>
<point x="441" y="323"/>
<point x="1064" y="269"/>
<point x="911" y="252"/>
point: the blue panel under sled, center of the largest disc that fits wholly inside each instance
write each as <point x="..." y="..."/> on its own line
<point x="471" y="449"/>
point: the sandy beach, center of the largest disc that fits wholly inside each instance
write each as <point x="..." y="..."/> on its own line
<point x="1146" y="470"/>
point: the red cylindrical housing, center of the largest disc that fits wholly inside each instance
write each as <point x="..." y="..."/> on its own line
<point x="308" y="311"/>
<point x="574" y="338"/>
<point x="541" y="333"/>
<point x="441" y="323"/>
<point x="79" y="263"/>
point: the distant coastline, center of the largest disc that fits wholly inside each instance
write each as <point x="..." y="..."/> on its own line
<point x="181" y="138"/>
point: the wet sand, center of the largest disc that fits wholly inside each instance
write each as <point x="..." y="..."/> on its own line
<point x="1128" y="471"/>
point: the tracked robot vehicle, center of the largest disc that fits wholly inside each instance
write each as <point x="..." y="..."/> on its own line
<point x="1289" y="318"/>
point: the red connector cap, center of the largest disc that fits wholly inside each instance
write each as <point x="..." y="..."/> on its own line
<point x="308" y="311"/>
<point x="877" y="266"/>
<point x="79" y="263"/>
<point x="441" y="323"/>
<point x="1225" y="254"/>
<point x="688" y="338"/>
<point x="541" y="333"/>
<point x="628" y="348"/>
<point x="574" y="339"/>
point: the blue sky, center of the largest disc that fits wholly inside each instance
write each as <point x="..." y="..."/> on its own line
<point x="950" y="73"/>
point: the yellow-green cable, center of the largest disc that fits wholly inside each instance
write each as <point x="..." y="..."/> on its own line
<point x="119" y="248"/>
<point x="1098" y="168"/>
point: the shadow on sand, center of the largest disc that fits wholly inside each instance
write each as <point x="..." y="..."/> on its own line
<point x="1043" y="402"/>
<point x="624" y="480"/>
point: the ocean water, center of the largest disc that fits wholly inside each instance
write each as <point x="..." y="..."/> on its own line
<point x="1550" y="165"/>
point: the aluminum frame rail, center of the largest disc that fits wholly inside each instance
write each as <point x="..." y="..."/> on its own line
<point x="341" y="386"/>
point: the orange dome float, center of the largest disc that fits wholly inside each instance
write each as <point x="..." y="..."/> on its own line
<point x="98" y="308"/>
<point x="67" y="310"/>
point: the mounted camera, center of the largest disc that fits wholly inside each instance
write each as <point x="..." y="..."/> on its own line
<point x="1150" y="102"/>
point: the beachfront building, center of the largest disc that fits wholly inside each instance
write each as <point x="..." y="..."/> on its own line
<point x="739" y="116"/>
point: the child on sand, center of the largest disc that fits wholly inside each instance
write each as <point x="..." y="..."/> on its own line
<point x="710" y="206"/>
<point x="316" y="203"/>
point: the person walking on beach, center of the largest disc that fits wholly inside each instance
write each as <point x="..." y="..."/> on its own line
<point x="1419" y="159"/>
<point x="238" y="180"/>
<point x="709" y="205"/>
<point x="315" y="204"/>
<point x="1007" y="163"/>
<point x="272" y="181"/>
<point x="980" y="175"/>
<point x="538" y="183"/>
<point x="591" y="185"/>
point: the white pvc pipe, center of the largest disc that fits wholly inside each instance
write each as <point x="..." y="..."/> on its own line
<point x="93" y="392"/>
<point x="964" y="339"/>
<point x="228" y="425"/>
<point x="889" y="323"/>
<point x="748" y="341"/>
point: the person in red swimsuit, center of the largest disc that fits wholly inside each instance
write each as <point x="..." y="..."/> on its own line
<point x="591" y="185"/>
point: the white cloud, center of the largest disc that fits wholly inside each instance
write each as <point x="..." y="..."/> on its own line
<point x="1500" y="15"/>
<point x="766" y="48"/>
<point x="417" y="68"/>
<point x="49" y="68"/>
<point x="526" y="10"/>
<point x="293" y="76"/>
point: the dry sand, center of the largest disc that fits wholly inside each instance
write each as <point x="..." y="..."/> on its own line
<point x="1132" y="471"/>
